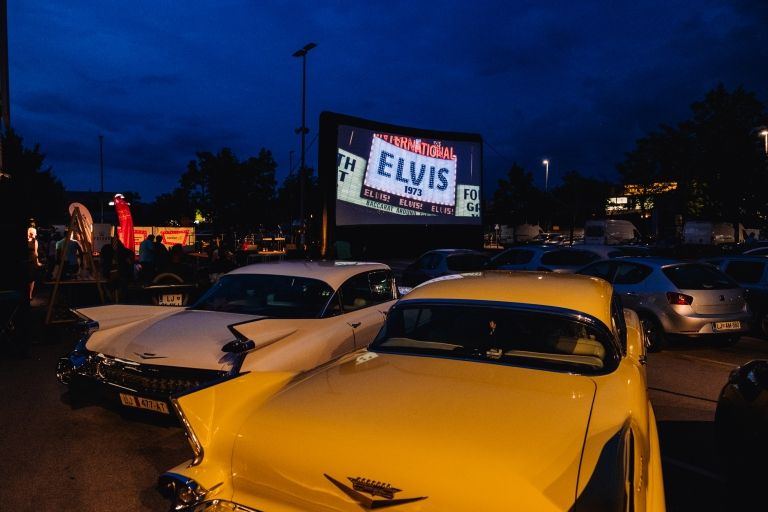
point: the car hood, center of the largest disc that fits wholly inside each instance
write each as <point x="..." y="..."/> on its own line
<point x="467" y="435"/>
<point x="164" y="336"/>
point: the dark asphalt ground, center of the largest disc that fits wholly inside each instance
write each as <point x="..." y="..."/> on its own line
<point x="62" y="456"/>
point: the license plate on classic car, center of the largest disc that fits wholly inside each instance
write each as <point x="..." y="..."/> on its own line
<point x="727" y="326"/>
<point x="171" y="299"/>
<point x="144" y="403"/>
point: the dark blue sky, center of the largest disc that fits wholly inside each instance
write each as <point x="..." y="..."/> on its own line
<point x="574" y="82"/>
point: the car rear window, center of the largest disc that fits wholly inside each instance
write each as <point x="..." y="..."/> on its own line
<point x="503" y="335"/>
<point x="631" y="274"/>
<point x="461" y="262"/>
<point x="513" y="257"/>
<point x="569" y="257"/>
<point x="696" y="276"/>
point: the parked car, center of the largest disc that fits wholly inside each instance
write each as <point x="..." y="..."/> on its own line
<point x="676" y="298"/>
<point x="282" y="316"/>
<point x="756" y="251"/>
<point x="741" y="420"/>
<point x="529" y="384"/>
<point x="551" y="258"/>
<point x="442" y="262"/>
<point x="751" y="273"/>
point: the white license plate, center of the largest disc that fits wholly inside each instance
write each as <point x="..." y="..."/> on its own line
<point x="171" y="299"/>
<point x="144" y="403"/>
<point x="727" y="326"/>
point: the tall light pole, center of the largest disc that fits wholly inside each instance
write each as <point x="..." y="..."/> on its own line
<point x="764" y="133"/>
<point x="101" y="171"/>
<point x="303" y="129"/>
<point x="546" y="174"/>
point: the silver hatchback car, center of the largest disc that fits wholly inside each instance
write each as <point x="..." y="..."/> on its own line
<point x="675" y="298"/>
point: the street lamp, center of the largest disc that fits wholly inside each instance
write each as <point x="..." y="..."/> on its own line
<point x="101" y="171"/>
<point x="303" y="129"/>
<point x="764" y="133"/>
<point x="546" y="174"/>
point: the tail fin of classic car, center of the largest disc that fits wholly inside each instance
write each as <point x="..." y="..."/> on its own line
<point x="201" y="410"/>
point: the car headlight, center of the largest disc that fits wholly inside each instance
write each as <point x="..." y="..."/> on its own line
<point x="187" y="495"/>
<point x="183" y="492"/>
<point x="78" y="361"/>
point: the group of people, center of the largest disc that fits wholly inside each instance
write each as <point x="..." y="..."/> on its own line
<point x="42" y="265"/>
<point x="117" y="265"/>
<point x="153" y="256"/>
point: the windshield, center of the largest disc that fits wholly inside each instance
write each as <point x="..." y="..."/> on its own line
<point x="267" y="295"/>
<point x="497" y="334"/>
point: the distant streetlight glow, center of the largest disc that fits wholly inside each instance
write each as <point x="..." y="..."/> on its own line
<point x="546" y="174"/>
<point x="764" y="133"/>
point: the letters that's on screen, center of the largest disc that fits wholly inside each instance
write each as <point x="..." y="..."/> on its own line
<point x="408" y="176"/>
<point x="411" y="174"/>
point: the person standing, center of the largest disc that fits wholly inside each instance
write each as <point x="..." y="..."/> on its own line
<point x="70" y="260"/>
<point x="160" y="254"/>
<point x="32" y="259"/>
<point x="147" y="257"/>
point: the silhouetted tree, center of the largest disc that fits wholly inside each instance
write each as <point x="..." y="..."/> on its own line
<point x="516" y="200"/>
<point x="233" y="195"/>
<point x="579" y="198"/>
<point x="716" y="157"/>
<point x="31" y="188"/>
<point x="288" y="200"/>
<point x="172" y="208"/>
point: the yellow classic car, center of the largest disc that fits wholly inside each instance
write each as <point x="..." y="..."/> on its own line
<point x="482" y="392"/>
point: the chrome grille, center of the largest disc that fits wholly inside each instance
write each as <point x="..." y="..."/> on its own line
<point x="152" y="379"/>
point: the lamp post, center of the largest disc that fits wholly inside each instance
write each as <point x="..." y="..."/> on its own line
<point x="764" y="133"/>
<point x="546" y="174"/>
<point x="303" y="129"/>
<point x="101" y="171"/>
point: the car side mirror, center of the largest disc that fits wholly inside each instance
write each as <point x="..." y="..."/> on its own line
<point x="239" y="346"/>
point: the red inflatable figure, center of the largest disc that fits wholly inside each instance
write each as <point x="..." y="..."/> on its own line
<point x="126" y="221"/>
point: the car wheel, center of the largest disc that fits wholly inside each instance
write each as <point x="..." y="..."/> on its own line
<point x="655" y="339"/>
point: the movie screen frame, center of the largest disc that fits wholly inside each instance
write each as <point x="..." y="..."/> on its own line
<point x="425" y="180"/>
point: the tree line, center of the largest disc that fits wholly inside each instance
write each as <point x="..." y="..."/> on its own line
<point x="717" y="158"/>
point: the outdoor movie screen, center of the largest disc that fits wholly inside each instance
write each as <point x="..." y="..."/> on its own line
<point x="385" y="177"/>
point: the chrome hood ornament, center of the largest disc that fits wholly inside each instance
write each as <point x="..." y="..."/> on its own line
<point x="149" y="355"/>
<point x="374" y="488"/>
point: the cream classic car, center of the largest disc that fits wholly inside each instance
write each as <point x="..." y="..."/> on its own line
<point x="281" y="316"/>
<point x="492" y="391"/>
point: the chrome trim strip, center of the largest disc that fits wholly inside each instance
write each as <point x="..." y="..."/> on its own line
<point x="192" y="439"/>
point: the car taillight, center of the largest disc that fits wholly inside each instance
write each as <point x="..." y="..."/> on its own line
<point x="679" y="299"/>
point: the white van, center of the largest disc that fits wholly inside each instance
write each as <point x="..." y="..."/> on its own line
<point x="704" y="232"/>
<point x="527" y="232"/>
<point x="610" y="232"/>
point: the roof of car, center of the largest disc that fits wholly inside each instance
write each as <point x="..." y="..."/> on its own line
<point x="332" y="272"/>
<point x="657" y="261"/>
<point x="575" y="292"/>
<point x="742" y="257"/>
<point x="453" y="251"/>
